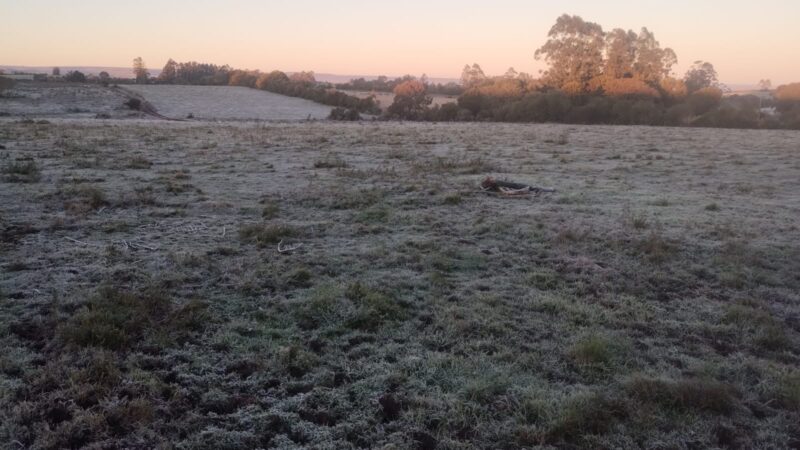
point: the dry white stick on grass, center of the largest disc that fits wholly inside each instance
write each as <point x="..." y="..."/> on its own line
<point x="80" y="242"/>
<point x="288" y="249"/>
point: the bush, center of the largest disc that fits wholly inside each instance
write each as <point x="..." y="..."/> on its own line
<point x="704" y="100"/>
<point x="629" y="88"/>
<point x="75" y="76"/>
<point x="788" y="93"/>
<point x="344" y="114"/>
<point x="410" y="102"/>
<point x="673" y="89"/>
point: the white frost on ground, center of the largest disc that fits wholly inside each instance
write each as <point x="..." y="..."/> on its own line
<point x="228" y="102"/>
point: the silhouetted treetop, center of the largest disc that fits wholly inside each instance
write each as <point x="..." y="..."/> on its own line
<point x="701" y="75"/>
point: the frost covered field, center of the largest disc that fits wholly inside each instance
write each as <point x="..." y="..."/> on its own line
<point x="89" y="101"/>
<point x="228" y="102"/>
<point x="652" y="301"/>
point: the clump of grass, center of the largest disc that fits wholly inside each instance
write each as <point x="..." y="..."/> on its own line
<point x="561" y="139"/>
<point x="586" y="414"/>
<point x="456" y="164"/>
<point x="174" y="181"/>
<point x="636" y="220"/>
<point x="699" y="395"/>
<point x="116" y="320"/>
<point x="544" y="280"/>
<point x="772" y="336"/>
<point x="787" y="391"/>
<point x="375" y="214"/>
<point x="270" y="211"/>
<point x="355" y="199"/>
<point x="138" y="162"/>
<point x="594" y="350"/>
<point x="324" y="305"/>
<point x="374" y="308"/>
<point x="263" y="234"/>
<point x="330" y="162"/>
<point x="300" y="277"/>
<point x="742" y="314"/>
<point x="452" y="199"/>
<point x="179" y="188"/>
<point x="486" y="388"/>
<point x="22" y="172"/>
<point x="296" y="360"/>
<point x="567" y="235"/>
<point x="767" y="333"/>
<point x="83" y="199"/>
<point x="655" y="247"/>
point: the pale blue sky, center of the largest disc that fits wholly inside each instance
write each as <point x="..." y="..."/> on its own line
<point x="745" y="40"/>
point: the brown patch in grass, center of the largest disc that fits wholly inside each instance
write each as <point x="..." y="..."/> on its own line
<point x="686" y="395"/>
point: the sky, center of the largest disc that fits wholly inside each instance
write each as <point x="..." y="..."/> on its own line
<point x="745" y="40"/>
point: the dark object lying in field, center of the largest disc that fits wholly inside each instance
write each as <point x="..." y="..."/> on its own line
<point x="134" y="104"/>
<point x="138" y="103"/>
<point x="344" y="114"/>
<point x="511" y="189"/>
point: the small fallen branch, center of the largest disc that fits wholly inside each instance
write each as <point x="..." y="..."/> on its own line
<point x="510" y="189"/>
<point x="136" y="246"/>
<point x="79" y="242"/>
<point x="289" y="249"/>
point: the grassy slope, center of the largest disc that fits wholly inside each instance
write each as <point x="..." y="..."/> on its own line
<point x="653" y="301"/>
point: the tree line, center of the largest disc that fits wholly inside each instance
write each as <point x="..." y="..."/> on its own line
<point x="598" y="77"/>
<point x="386" y="84"/>
<point x="300" y="84"/>
<point x="593" y="77"/>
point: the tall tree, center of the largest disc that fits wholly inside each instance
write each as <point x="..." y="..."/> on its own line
<point x="169" y="73"/>
<point x="75" y="76"/>
<point x="764" y="85"/>
<point x="410" y="100"/>
<point x="653" y="63"/>
<point x="701" y="75"/>
<point x="140" y="70"/>
<point x="472" y="76"/>
<point x="574" y="52"/>
<point x="104" y="78"/>
<point x="620" y="53"/>
<point x="304" y="77"/>
<point x="511" y="73"/>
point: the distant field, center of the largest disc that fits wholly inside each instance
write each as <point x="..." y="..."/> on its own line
<point x="652" y="302"/>
<point x="50" y="100"/>
<point x="386" y="98"/>
<point x="228" y="102"/>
